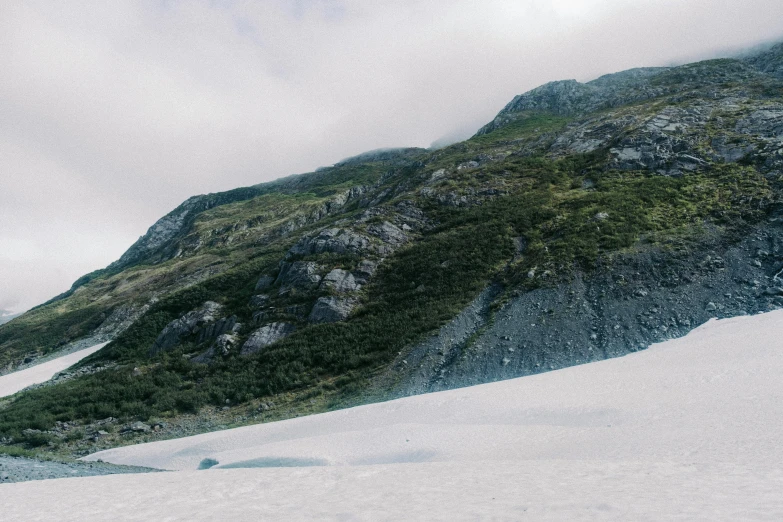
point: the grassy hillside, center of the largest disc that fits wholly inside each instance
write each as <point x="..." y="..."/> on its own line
<point x="531" y="202"/>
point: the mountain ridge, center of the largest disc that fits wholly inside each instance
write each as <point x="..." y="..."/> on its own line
<point x="605" y="215"/>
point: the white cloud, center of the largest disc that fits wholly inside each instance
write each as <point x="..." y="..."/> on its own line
<point x="113" y="113"/>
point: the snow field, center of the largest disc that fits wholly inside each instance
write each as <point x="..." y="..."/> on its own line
<point x="715" y="395"/>
<point x="17" y="381"/>
<point x="691" y="429"/>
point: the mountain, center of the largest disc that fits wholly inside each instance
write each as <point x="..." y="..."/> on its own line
<point x="584" y="222"/>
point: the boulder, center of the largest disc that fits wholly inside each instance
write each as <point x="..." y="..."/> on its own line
<point x="388" y="233"/>
<point x="223" y="345"/>
<point x="468" y="165"/>
<point x="257" y="301"/>
<point x="331" y="309"/>
<point x="365" y="271"/>
<point x="265" y="336"/>
<point x="188" y="324"/>
<point x="339" y="241"/>
<point x="340" y="281"/>
<point x="300" y="275"/>
<point x="137" y="427"/>
<point x="264" y="283"/>
<point x="227" y="325"/>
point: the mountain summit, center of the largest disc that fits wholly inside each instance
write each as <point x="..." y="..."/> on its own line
<point x="584" y="222"/>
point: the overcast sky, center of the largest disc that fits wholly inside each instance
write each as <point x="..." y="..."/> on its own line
<point x="112" y="113"/>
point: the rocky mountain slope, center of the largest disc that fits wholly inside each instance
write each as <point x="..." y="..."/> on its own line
<point x="584" y="222"/>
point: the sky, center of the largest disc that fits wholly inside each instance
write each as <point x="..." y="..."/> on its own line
<point x="113" y="113"/>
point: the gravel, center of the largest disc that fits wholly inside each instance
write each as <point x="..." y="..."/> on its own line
<point x="21" y="469"/>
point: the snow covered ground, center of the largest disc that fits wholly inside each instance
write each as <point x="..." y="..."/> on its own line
<point x="17" y="381"/>
<point x="691" y="429"/>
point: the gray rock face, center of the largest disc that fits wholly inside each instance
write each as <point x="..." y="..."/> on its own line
<point x="119" y="320"/>
<point x="769" y="61"/>
<point x="227" y="325"/>
<point x="265" y="336"/>
<point x="388" y="233"/>
<point x="638" y="299"/>
<point x="332" y="309"/>
<point x="730" y="150"/>
<point x="188" y="324"/>
<point x="468" y="165"/>
<point x="138" y="427"/>
<point x="571" y="98"/>
<point x="168" y="238"/>
<point x="560" y="97"/>
<point x="764" y="123"/>
<point x="164" y="230"/>
<point x="339" y="241"/>
<point x="264" y="282"/>
<point x="365" y="271"/>
<point x="300" y="275"/>
<point x="340" y="281"/>
<point x="591" y="134"/>
<point x="664" y="143"/>
<point x="223" y="345"/>
<point x="257" y="301"/>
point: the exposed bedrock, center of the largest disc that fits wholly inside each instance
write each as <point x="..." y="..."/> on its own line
<point x="265" y="336"/>
<point x="625" y="306"/>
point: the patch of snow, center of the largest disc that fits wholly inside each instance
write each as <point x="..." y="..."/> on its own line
<point x="17" y="381"/>
<point x="725" y="375"/>
<point x="690" y="429"/>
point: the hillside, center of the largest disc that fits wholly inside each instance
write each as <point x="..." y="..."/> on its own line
<point x="584" y="222"/>
<point x="689" y="429"/>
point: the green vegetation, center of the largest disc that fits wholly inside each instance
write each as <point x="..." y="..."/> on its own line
<point x="502" y="209"/>
<point x="16" y="451"/>
<point x="39" y="332"/>
<point x="524" y="126"/>
<point x="420" y="288"/>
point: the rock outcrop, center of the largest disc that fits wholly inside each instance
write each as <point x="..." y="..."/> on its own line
<point x="223" y="346"/>
<point x="336" y="240"/>
<point x="299" y="275"/>
<point x="265" y="336"/>
<point x="189" y="324"/>
<point x="340" y="281"/>
<point x="364" y="272"/>
<point x="226" y="325"/>
<point x="264" y="283"/>
<point x="332" y="309"/>
<point x="388" y="233"/>
<point x="260" y="300"/>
